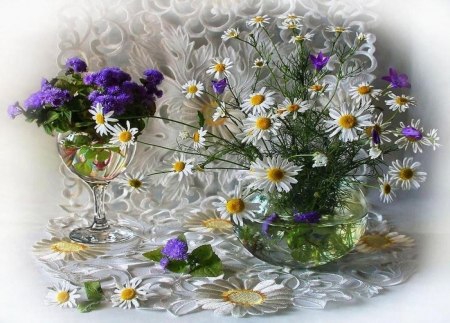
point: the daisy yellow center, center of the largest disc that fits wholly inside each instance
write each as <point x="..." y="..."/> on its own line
<point x="208" y="111"/>
<point x="291" y="25"/>
<point x="192" y="89"/>
<point x="125" y="136"/>
<point x="412" y="139"/>
<point x="136" y="183"/>
<point x="196" y="137"/>
<point x="377" y="241"/>
<point x="220" y="67"/>
<point x="232" y="34"/>
<point x="406" y="174"/>
<point x="263" y="123"/>
<point x="340" y="29"/>
<point x="370" y="128"/>
<point x="259" y="63"/>
<point x="243" y="297"/>
<point x="99" y="118"/>
<point x="364" y="89"/>
<point x="235" y="205"/>
<point x="217" y="224"/>
<point x="386" y="189"/>
<point x="275" y="174"/>
<point x="401" y="100"/>
<point x="293" y="108"/>
<point x="258" y="19"/>
<point x="299" y="38"/>
<point x="68" y="247"/>
<point x="347" y="121"/>
<point x="257" y="99"/>
<point x="179" y="166"/>
<point x="62" y="297"/>
<point x="317" y="87"/>
<point x="128" y="294"/>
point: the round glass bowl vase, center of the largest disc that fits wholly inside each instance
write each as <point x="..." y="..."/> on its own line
<point x="304" y="245"/>
<point x="97" y="164"/>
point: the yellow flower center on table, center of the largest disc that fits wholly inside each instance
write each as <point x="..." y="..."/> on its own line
<point x="125" y="136"/>
<point x="257" y="99"/>
<point x="244" y="297"/>
<point x="386" y="189"/>
<point x="258" y="19"/>
<point x="340" y="29"/>
<point x="401" y="100"/>
<point x="128" y="294"/>
<point x="196" y="137"/>
<point x="217" y="224"/>
<point x="136" y="183"/>
<point x="179" y="166"/>
<point x="235" y="205"/>
<point x="99" y="118"/>
<point x="192" y="89"/>
<point x="317" y="87"/>
<point x="68" y="247"/>
<point x="208" y="111"/>
<point x="347" y="121"/>
<point x="370" y="128"/>
<point x="275" y="174"/>
<point x="406" y="174"/>
<point x="62" y="297"/>
<point x="263" y="123"/>
<point x="376" y="241"/>
<point x="364" y="89"/>
<point x="293" y="108"/>
<point x="219" y="67"/>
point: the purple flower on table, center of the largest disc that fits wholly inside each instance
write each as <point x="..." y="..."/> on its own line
<point x="308" y="217"/>
<point x="77" y="65"/>
<point x="13" y="110"/>
<point x="219" y="85"/>
<point x="412" y="133"/>
<point x="397" y="81"/>
<point x="267" y="222"/>
<point x="319" y="61"/>
<point x="175" y="249"/>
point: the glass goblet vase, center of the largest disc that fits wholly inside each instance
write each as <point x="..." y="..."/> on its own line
<point x="97" y="164"/>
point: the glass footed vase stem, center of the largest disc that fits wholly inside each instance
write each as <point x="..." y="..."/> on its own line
<point x="96" y="165"/>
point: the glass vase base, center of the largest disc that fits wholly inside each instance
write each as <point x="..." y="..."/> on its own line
<point x="113" y="234"/>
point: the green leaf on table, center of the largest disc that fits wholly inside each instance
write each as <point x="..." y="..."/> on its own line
<point x="83" y="168"/>
<point x="94" y="291"/>
<point x="202" y="253"/>
<point x="154" y="255"/>
<point x="88" y="306"/>
<point x="177" y="266"/>
<point x="182" y="237"/>
<point x="211" y="267"/>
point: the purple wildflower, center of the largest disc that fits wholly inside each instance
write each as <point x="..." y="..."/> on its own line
<point x="320" y="61"/>
<point x="397" y="81"/>
<point x="308" y="217"/>
<point x="48" y="94"/>
<point x="175" y="249"/>
<point x="413" y="133"/>
<point x="267" y="222"/>
<point x="13" y="110"/>
<point x="375" y="137"/>
<point x="77" y="65"/>
<point x="107" y="77"/>
<point x="219" y="85"/>
<point x="153" y="76"/>
<point x="164" y="262"/>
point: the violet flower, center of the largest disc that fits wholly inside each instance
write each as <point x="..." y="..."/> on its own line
<point x="13" y="110"/>
<point x="175" y="249"/>
<point x="411" y="132"/>
<point x="77" y="65"/>
<point x="320" y="61"/>
<point x="308" y="217"/>
<point x="397" y="81"/>
<point x="219" y="85"/>
<point x="375" y="137"/>
<point x="164" y="262"/>
<point x="267" y="222"/>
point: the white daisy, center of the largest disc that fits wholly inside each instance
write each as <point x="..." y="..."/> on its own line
<point x="258" y="21"/>
<point x="406" y="174"/>
<point x="240" y="297"/>
<point x="259" y="127"/>
<point x="301" y="38"/>
<point x="258" y="102"/>
<point x="65" y="249"/>
<point x="347" y="123"/>
<point x="184" y="135"/>
<point x="220" y="69"/>
<point x="361" y="36"/>
<point x="289" y="24"/>
<point x="320" y="160"/>
<point x="273" y="173"/>
<point x="411" y="135"/>
<point x="400" y="103"/>
<point x="364" y="93"/>
<point x="259" y="63"/>
<point x="192" y="88"/>
<point x="291" y="17"/>
<point x="128" y="294"/>
<point x="62" y="295"/>
<point x="337" y="29"/>
<point x="102" y="120"/>
<point x="198" y="138"/>
<point x="181" y="167"/>
<point x="376" y="242"/>
<point x="236" y="206"/>
<point x="317" y="89"/>
<point x="387" y="193"/>
<point x="134" y="183"/>
<point x="123" y="136"/>
<point x="230" y="33"/>
<point x="207" y="221"/>
<point x="294" y="107"/>
<point x="432" y="138"/>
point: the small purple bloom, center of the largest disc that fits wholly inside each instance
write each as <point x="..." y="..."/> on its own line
<point x="413" y="133"/>
<point x="77" y="65"/>
<point x="397" y="81"/>
<point x="164" y="262"/>
<point x="308" y="217"/>
<point x="267" y="222"/>
<point x="320" y="61"/>
<point x="175" y="249"/>
<point x="13" y="110"/>
<point x="154" y="77"/>
<point x="219" y="85"/>
<point x="375" y="137"/>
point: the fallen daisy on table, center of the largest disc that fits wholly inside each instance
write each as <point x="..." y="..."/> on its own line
<point x="128" y="295"/>
<point x="383" y="241"/>
<point x="62" y="295"/>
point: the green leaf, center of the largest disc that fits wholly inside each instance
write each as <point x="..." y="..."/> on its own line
<point x="94" y="291"/>
<point x="212" y="267"/>
<point x="154" y="255"/>
<point x="201" y="119"/>
<point x="86" y="306"/>
<point x="52" y="116"/>
<point x="90" y="154"/>
<point x="181" y="237"/>
<point x="103" y="155"/>
<point x="81" y="140"/>
<point x="202" y="253"/>
<point x="177" y="266"/>
<point x="83" y="168"/>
